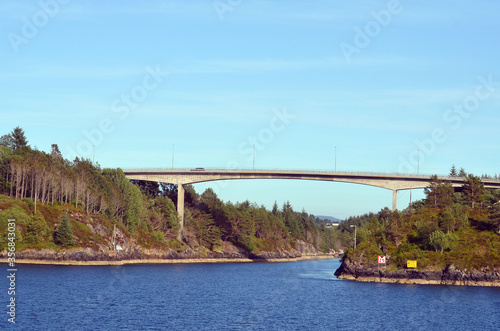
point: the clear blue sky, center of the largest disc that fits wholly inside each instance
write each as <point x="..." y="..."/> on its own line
<point x="378" y="80"/>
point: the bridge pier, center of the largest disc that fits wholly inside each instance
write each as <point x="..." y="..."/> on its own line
<point x="394" y="200"/>
<point x="180" y="210"/>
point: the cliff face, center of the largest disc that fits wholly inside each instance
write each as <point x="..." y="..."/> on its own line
<point x="352" y="270"/>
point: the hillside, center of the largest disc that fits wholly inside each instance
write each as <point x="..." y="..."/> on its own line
<point x="77" y="210"/>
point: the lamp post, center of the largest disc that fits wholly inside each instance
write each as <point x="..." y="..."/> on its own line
<point x="354" y="226"/>
<point x="173" y="145"/>
<point x="253" y="156"/>
<point x="418" y="163"/>
<point x="335" y="158"/>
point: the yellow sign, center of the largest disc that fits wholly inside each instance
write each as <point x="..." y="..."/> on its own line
<point x="411" y="263"/>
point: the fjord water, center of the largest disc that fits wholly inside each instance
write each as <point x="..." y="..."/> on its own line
<point x="251" y="296"/>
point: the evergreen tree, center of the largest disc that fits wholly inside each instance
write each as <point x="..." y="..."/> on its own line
<point x="64" y="234"/>
<point x="18" y="138"/>
<point x="276" y="210"/>
<point x="439" y="193"/>
<point x="462" y="173"/>
<point x="473" y="190"/>
<point x="56" y="153"/>
<point x="453" y="171"/>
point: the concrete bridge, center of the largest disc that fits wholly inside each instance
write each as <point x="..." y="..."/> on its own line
<point x="393" y="182"/>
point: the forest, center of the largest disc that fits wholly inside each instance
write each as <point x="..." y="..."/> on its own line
<point x="60" y="203"/>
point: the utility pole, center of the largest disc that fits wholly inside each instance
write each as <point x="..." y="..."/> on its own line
<point x="253" y="156"/>
<point x="409" y="207"/>
<point x="173" y="145"/>
<point x="354" y="226"/>
<point x="418" y="163"/>
<point x="335" y="158"/>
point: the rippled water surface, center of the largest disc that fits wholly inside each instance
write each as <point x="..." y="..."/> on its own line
<point x="249" y="296"/>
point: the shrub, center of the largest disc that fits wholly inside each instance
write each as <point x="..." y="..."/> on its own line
<point x="37" y="229"/>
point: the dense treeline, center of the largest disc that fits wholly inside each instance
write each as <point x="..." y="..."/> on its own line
<point x="48" y="178"/>
<point x="459" y="227"/>
<point x="142" y="209"/>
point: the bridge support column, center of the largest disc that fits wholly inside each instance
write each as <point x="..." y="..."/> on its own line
<point x="180" y="210"/>
<point x="394" y="200"/>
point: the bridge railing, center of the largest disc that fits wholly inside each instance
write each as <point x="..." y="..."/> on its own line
<point x="297" y="171"/>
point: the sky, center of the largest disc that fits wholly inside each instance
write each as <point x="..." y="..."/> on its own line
<point x="359" y="86"/>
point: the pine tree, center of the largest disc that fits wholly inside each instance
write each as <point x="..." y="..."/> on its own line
<point x="473" y="189"/>
<point x="18" y="137"/>
<point x="453" y="171"/>
<point x="462" y="173"/>
<point x="439" y="193"/>
<point x="64" y="235"/>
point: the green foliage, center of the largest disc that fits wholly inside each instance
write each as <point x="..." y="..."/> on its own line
<point x="37" y="229"/>
<point x="439" y="194"/>
<point x="5" y="237"/>
<point x="439" y="241"/>
<point x="205" y="230"/>
<point x="158" y="236"/>
<point x="406" y="252"/>
<point x="473" y="190"/>
<point x="130" y="195"/>
<point x="453" y="171"/>
<point x="18" y="138"/>
<point x="16" y="213"/>
<point x="64" y="235"/>
<point x="29" y="202"/>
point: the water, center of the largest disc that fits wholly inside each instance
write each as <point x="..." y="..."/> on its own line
<point x="249" y="296"/>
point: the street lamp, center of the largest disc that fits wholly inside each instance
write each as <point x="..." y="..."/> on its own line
<point x="418" y="163"/>
<point x="354" y="226"/>
<point x="335" y="158"/>
<point x="253" y="156"/>
<point x="173" y="146"/>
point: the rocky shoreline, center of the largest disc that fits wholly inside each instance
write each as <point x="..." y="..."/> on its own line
<point x="139" y="255"/>
<point x="448" y="276"/>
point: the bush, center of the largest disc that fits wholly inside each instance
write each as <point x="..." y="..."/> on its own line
<point x="37" y="229"/>
<point x="29" y="202"/>
<point x="441" y="241"/>
<point x="16" y="213"/>
<point x="158" y="236"/>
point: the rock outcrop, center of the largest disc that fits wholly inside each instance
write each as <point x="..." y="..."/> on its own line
<point x="450" y="275"/>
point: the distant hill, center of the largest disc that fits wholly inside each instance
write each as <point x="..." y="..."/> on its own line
<point x="329" y="218"/>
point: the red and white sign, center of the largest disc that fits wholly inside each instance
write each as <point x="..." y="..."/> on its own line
<point x="382" y="259"/>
